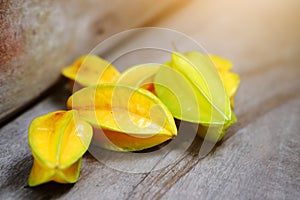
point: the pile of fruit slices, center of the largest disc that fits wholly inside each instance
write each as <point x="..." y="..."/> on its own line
<point x="131" y="111"/>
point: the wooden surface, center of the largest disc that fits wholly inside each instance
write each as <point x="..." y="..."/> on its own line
<point x="260" y="155"/>
<point x="36" y="33"/>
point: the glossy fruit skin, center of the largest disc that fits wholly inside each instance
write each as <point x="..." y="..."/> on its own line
<point x="196" y="91"/>
<point x="57" y="141"/>
<point x="139" y="76"/>
<point x="124" y="118"/>
<point x="231" y="80"/>
<point x="192" y="82"/>
<point x="89" y="70"/>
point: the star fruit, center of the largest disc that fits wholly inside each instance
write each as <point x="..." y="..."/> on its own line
<point x="57" y="141"/>
<point x="139" y="76"/>
<point x="230" y="80"/>
<point x="124" y="118"/>
<point x="90" y="70"/>
<point x="193" y="90"/>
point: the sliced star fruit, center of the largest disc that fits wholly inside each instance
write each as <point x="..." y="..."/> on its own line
<point x="57" y="141"/>
<point x="90" y="70"/>
<point x="124" y="118"/>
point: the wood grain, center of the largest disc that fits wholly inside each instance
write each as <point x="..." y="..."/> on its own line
<point x="260" y="155"/>
<point x="39" y="38"/>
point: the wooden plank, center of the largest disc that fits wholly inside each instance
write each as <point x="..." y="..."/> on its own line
<point x="259" y="160"/>
<point x="260" y="156"/>
<point x="34" y="34"/>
